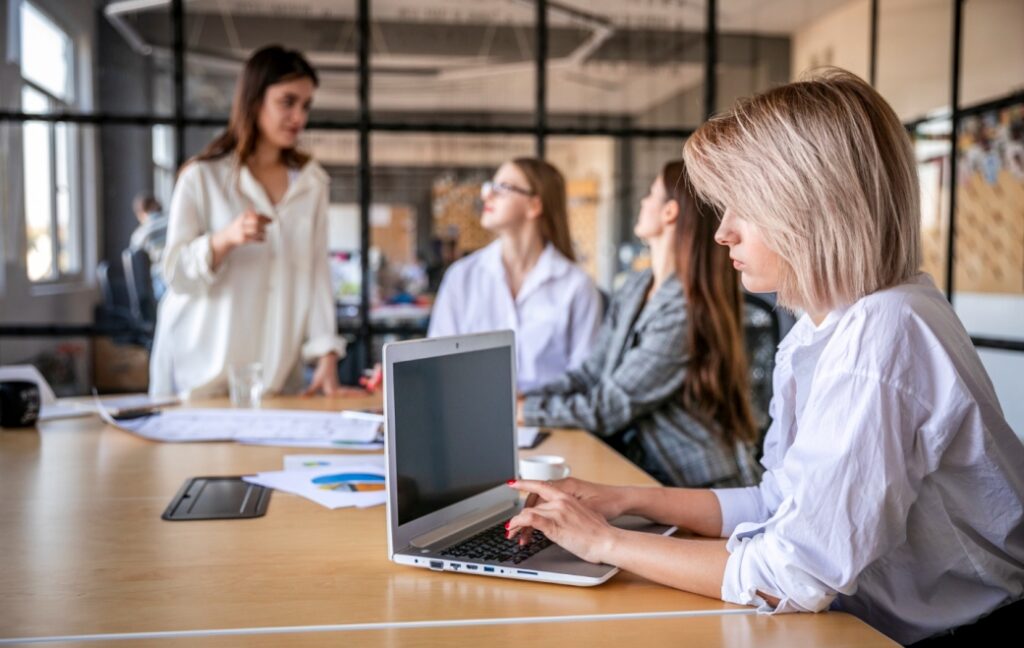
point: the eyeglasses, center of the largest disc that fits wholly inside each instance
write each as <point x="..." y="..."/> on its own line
<point x="490" y="188"/>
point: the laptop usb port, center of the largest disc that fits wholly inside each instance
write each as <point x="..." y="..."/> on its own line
<point x="436" y="564"/>
<point x="489" y="570"/>
<point x="528" y="573"/>
<point x="473" y="567"/>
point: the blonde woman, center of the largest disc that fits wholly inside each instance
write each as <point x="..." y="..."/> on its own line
<point x="527" y="279"/>
<point x="894" y="488"/>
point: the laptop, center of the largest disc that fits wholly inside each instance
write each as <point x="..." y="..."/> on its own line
<point x="451" y="447"/>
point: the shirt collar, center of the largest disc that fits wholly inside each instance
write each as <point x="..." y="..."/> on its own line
<point x="550" y="265"/>
<point x="309" y="175"/>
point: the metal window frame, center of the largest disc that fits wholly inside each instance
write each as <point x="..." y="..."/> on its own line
<point x="364" y="125"/>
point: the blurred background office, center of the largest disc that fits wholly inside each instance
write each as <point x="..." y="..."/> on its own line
<point x="421" y="100"/>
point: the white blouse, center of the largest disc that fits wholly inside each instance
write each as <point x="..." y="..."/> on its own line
<point x="268" y="302"/>
<point x="555" y="316"/>
<point x="894" y="487"/>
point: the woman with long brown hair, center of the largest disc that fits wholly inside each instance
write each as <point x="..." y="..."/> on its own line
<point x="246" y="256"/>
<point x="527" y="279"/>
<point x="667" y="381"/>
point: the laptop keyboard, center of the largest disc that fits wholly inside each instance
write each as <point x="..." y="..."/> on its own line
<point x="491" y="545"/>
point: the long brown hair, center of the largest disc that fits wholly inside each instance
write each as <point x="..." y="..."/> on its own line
<point x="548" y="184"/>
<point x="716" y="388"/>
<point x="267" y="66"/>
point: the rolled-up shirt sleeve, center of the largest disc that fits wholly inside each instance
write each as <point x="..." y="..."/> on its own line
<point x="740" y="505"/>
<point x="856" y="469"/>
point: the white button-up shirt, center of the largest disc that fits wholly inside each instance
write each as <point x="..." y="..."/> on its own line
<point x="555" y="316"/>
<point x="894" y="485"/>
<point x="268" y="302"/>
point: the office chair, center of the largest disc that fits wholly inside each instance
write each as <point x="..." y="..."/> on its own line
<point x="762" y="334"/>
<point x="139" y="282"/>
<point x="114" y="311"/>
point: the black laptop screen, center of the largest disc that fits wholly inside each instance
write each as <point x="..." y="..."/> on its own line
<point x="454" y="429"/>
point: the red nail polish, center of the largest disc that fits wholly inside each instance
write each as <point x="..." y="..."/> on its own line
<point x="510" y="482"/>
<point x="508" y="524"/>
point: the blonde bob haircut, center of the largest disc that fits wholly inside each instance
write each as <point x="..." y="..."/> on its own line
<point x="825" y="171"/>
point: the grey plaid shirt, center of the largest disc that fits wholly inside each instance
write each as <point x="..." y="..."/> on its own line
<point x="631" y="384"/>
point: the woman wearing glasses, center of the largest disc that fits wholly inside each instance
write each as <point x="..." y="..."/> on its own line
<point x="666" y="384"/>
<point x="526" y="280"/>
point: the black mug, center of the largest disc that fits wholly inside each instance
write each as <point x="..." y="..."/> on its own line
<point x="19" y="403"/>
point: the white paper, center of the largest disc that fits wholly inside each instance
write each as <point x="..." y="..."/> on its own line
<point x="313" y="444"/>
<point x="525" y="436"/>
<point x="322" y="461"/>
<point x="117" y="405"/>
<point x="60" y="409"/>
<point x="301" y="482"/>
<point x="264" y="426"/>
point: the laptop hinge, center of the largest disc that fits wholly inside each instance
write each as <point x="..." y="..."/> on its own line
<point x="459" y="525"/>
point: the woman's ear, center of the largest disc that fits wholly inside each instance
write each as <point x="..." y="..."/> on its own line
<point x="670" y="212"/>
<point x="534" y="208"/>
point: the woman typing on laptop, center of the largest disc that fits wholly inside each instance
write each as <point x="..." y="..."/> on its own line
<point x="894" y="488"/>
<point x="666" y="383"/>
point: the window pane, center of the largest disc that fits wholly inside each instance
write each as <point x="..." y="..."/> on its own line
<point x="606" y="180"/>
<point x="456" y="62"/>
<point x="336" y="151"/>
<point x="45" y="53"/>
<point x="932" y="147"/>
<point x="65" y="165"/>
<point x="989" y="260"/>
<point x="426" y="214"/>
<point x="128" y="170"/>
<point x="164" y="167"/>
<point x="37" y="144"/>
<point x="134" y="50"/>
<point x="220" y="35"/>
<point x="616" y="64"/>
<point x="914" y="55"/>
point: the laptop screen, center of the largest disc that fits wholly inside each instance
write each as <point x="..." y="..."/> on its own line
<point x="454" y="429"/>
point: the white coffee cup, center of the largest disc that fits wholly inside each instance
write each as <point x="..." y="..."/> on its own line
<point x="543" y="467"/>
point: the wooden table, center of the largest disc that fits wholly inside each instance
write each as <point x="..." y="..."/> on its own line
<point x="83" y="551"/>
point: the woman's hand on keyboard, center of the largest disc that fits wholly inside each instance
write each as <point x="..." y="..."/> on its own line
<point x="568" y="514"/>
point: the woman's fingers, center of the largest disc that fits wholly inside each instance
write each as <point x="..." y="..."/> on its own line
<point x="526" y="521"/>
<point x="545" y="489"/>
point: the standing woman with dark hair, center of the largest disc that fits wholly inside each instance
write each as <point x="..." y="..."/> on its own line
<point x="527" y="279"/>
<point x="246" y="256"/>
<point x="667" y="381"/>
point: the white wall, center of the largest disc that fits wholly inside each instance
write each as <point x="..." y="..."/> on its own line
<point x="914" y="55"/>
<point x="839" y="38"/>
